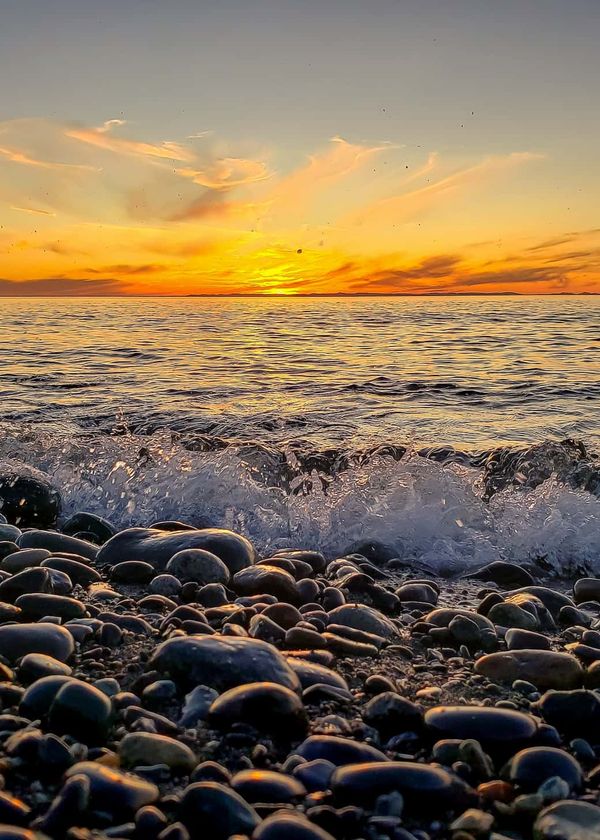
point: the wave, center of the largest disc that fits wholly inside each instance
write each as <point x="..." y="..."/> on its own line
<point x="437" y="508"/>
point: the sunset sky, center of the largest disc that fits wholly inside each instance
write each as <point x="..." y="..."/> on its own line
<point x="286" y="146"/>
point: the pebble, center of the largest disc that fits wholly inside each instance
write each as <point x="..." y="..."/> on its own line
<point x="139" y="748"/>
<point x="501" y="731"/>
<point x="209" y="809"/>
<point x="544" y="668"/>
<point x="283" y="826"/>
<point x="568" y="821"/>
<point x="268" y="707"/>
<point x="267" y="786"/>
<point x="221" y="663"/>
<point x="80" y="710"/>
<point x="530" y="768"/>
<point x="116" y="793"/>
<point x="17" y="640"/>
<point x="157" y="547"/>
<point x="424" y="788"/>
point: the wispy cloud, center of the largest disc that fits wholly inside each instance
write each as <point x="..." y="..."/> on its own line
<point x="21" y="157"/>
<point x="103" y="138"/>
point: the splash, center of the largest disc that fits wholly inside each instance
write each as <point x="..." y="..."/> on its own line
<point x="431" y="510"/>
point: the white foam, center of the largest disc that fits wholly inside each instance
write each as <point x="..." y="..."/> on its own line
<point x="426" y="511"/>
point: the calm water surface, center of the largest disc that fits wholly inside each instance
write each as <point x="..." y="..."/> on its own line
<point x="471" y="372"/>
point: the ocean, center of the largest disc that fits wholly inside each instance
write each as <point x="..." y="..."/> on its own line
<point x="456" y="430"/>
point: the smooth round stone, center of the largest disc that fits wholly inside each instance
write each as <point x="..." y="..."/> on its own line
<point x="444" y="615"/>
<point x="392" y="714"/>
<point x="286" y="615"/>
<point x="132" y="571"/>
<point x="79" y="573"/>
<point x="292" y="826"/>
<point x="315" y="775"/>
<point x="267" y="786"/>
<point x="80" y="710"/>
<point x="28" y="581"/>
<point x="209" y="809"/>
<point x="511" y="615"/>
<point x="419" y="592"/>
<point x="101" y="529"/>
<point x="17" y="640"/>
<point x="543" y="668"/>
<point x="266" y="580"/>
<point x="586" y="589"/>
<point x="531" y="767"/>
<point x="167" y="585"/>
<point x="425" y="789"/>
<point x="157" y="546"/>
<point x="34" y="666"/>
<point x="9" y="533"/>
<point x="39" y="696"/>
<point x="197" y="704"/>
<point x="27" y="558"/>
<point x="58" y="543"/>
<point x="504" y="574"/>
<point x="362" y="617"/>
<point x="311" y="673"/>
<point x="501" y="731"/>
<point x="198" y="565"/>
<point x="267" y="707"/>
<point x="568" y="820"/>
<point x="221" y="662"/>
<point x="40" y="604"/>
<point x="572" y="712"/>
<point x="526" y="640"/>
<point x="146" y="748"/>
<point x="114" y="792"/>
<point x="13" y="832"/>
<point x="29" y="501"/>
<point x="338" y="751"/>
<point x="553" y="601"/>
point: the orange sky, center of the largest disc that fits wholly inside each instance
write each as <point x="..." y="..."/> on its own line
<point x="100" y="210"/>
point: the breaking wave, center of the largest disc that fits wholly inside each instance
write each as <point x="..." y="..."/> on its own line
<point x="439" y="509"/>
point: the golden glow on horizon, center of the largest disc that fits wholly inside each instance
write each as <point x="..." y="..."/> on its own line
<point x="94" y="210"/>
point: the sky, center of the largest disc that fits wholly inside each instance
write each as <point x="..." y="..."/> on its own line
<point x="299" y="146"/>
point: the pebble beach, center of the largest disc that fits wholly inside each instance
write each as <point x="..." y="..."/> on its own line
<point x="170" y="682"/>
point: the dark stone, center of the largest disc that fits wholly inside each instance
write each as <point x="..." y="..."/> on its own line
<point x="80" y="710"/>
<point x="115" y="793"/>
<point x="157" y="547"/>
<point x="79" y="573"/>
<point x="338" y="751"/>
<point x="40" y="604"/>
<point x="575" y="713"/>
<point x="268" y="707"/>
<point x="517" y="639"/>
<point x="267" y="786"/>
<point x="29" y="502"/>
<point x="425" y="789"/>
<point x="17" y="640"/>
<point x="499" y="731"/>
<point x="289" y="826"/>
<point x="269" y="580"/>
<point x="222" y="663"/>
<point x="34" y="666"/>
<point x="198" y="565"/>
<point x="504" y="574"/>
<point x="27" y="581"/>
<point x="531" y="767"/>
<point x="392" y="714"/>
<point x="39" y="696"/>
<point x="132" y="571"/>
<point x="58" y="543"/>
<point x="101" y="529"/>
<point x="208" y="809"/>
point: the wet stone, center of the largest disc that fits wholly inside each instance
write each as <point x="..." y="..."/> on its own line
<point x="116" y="793"/>
<point x="545" y="669"/>
<point x="424" y="788"/>
<point x="209" y="809"/>
<point x="18" y="640"/>
<point x="499" y="731"/>
<point x="139" y="748"/>
<point x="531" y="767"/>
<point x="222" y="663"/>
<point x="267" y="786"/>
<point x="80" y="710"/>
<point x="267" y="707"/>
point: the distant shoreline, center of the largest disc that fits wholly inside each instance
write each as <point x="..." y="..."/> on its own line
<point x="260" y="295"/>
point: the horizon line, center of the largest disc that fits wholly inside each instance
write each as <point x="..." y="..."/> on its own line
<point x="302" y="295"/>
